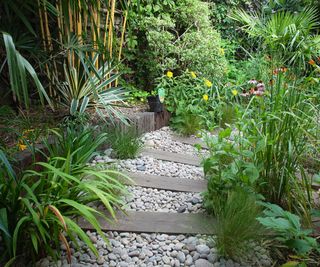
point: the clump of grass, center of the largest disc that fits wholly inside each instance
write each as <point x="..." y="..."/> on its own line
<point x="126" y="143"/>
<point x="228" y="115"/>
<point x="237" y="225"/>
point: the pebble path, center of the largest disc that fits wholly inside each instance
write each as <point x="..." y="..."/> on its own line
<point x="127" y="249"/>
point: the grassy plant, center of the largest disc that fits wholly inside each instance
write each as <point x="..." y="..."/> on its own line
<point x="279" y="128"/>
<point x="76" y="140"/>
<point x="40" y="206"/>
<point x="124" y="142"/>
<point x="237" y="225"/>
<point x="228" y="115"/>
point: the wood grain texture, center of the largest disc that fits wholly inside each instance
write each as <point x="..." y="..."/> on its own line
<point x="173" y="157"/>
<point x="158" y="222"/>
<point x="167" y="183"/>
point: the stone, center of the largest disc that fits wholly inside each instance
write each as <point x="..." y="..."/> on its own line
<point x="179" y="246"/>
<point x="111" y="256"/>
<point x="166" y="260"/>
<point x="203" y="263"/>
<point x="203" y="249"/>
<point x="134" y="253"/>
<point x="100" y="260"/>
<point x="141" y="168"/>
<point x="195" y="200"/>
<point x="212" y="257"/>
<point x="188" y="260"/>
<point x="93" y="239"/>
<point x="181" y="257"/>
<point x="182" y="209"/>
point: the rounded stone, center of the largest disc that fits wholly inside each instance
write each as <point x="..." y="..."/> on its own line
<point x="203" y="249"/>
<point x="203" y="263"/>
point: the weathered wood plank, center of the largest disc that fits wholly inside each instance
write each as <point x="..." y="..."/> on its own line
<point x="169" y="156"/>
<point x="158" y="222"/>
<point x="189" y="140"/>
<point x="167" y="183"/>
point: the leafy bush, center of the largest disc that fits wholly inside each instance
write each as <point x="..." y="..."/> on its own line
<point x="227" y="167"/>
<point x="174" y="35"/>
<point x="288" y="230"/>
<point x="125" y="142"/>
<point x="187" y="120"/>
<point x="237" y="224"/>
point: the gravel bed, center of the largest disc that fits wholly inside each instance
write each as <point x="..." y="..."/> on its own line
<point x="149" y="199"/>
<point x="149" y="165"/>
<point x="142" y="250"/>
<point x="162" y="140"/>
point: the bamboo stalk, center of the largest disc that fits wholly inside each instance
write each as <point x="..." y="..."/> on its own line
<point x="59" y="21"/>
<point x="111" y="26"/>
<point x="105" y="33"/>
<point x="70" y="31"/>
<point x="44" y="41"/>
<point x="122" y="35"/>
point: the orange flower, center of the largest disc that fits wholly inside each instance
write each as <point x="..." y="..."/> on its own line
<point x="22" y="147"/>
<point x="312" y="62"/>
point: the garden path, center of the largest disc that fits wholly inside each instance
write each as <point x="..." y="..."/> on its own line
<point x="164" y="222"/>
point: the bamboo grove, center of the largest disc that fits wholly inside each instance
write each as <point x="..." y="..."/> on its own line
<point x="71" y="33"/>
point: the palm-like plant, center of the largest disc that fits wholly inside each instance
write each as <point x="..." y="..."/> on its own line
<point x="19" y="67"/>
<point x="287" y="36"/>
<point x="91" y="87"/>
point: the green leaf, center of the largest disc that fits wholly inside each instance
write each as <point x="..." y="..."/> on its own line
<point x="34" y="241"/>
<point x="225" y="133"/>
<point x="4" y="222"/>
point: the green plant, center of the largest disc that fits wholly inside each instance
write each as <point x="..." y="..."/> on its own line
<point x="236" y="224"/>
<point x="19" y="67"/>
<point x="288" y="230"/>
<point x="40" y="207"/>
<point x="187" y="119"/>
<point x="91" y="87"/>
<point x="75" y="140"/>
<point x="173" y="36"/>
<point x="229" y="165"/>
<point x="125" y="142"/>
<point x="279" y="126"/>
<point x="288" y="37"/>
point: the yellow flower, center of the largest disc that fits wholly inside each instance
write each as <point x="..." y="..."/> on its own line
<point x="169" y="74"/>
<point x="22" y="147"/>
<point x="205" y="97"/>
<point x="193" y="74"/>
<point x="207" y="83"/>
<point x="221" y="51"/>
<point x="234" y="92"/>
